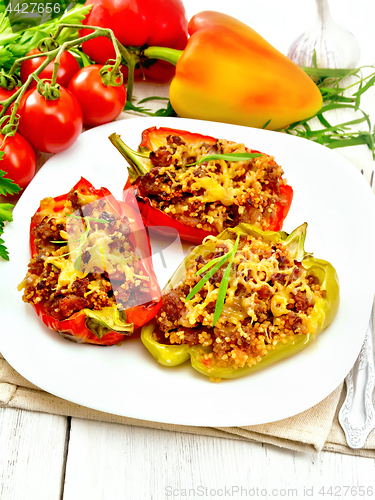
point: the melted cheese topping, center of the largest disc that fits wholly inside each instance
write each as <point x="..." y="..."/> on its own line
<point x="217" y="186"/>
<point x="254" y="271"/>
<point x="68" y="273"/>
<point x="102" y="259"/>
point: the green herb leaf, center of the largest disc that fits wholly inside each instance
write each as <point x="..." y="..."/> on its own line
<point x="209" y="275"/>
<point x="16" y="45"/>
<point x="82" y="239"/>
<point x="91" y="219"/>
<point x="153" y="98"/>
<point x="78" y="262"/>
<point x="129" y="106"/>
<point x="326" y="72"/>
<point x="369" y="84"/>
<point x="315" y="62"/>
<point x="168" y="111"/>
<point x="7" y="186"/>
<point x="81" y="57"/>
<point x="267" y="123"/>
<point x="219" y="261"/>
<point x="5" y="56"/>
<point x="222" y="293"/>
<point x="4" y="254"/>
<point x="208" y="265"/>
<point x="224" y="285"/>
<point x="226" y="157"/>
<point x="331" y="85"/>
<point x="6" y="212"/>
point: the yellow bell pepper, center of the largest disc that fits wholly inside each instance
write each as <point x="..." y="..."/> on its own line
<point x="229" y="73"/>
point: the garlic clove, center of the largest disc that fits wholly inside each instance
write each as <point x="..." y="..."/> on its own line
<point x="335" y="46"/>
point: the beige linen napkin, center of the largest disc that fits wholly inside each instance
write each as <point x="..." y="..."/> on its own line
<point x="313" y="430"/>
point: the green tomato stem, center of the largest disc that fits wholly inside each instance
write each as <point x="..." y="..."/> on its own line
<point x="21" y="59"/>
<point x="17" y="96"/>
<point x="56" y="54"/>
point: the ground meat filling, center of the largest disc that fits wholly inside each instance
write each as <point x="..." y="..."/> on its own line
<point x="85" y="259"/>
<point x="213" y="195"/>
<point x="269" y="301"/>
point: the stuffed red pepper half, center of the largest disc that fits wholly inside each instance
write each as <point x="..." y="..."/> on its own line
<point x="201" y="186"/>
<point x="90" y="276"/>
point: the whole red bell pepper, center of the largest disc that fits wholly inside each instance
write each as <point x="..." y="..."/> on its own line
<point x="77" y="327"/>
<point x="138" y="23"/>
<point x="152" y="139"/>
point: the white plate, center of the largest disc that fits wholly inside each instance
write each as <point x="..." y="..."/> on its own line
<point x="330" y="194"/>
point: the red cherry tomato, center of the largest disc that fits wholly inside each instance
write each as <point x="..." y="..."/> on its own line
<point x="100" y="103"/>
<point x="4" y="95"/>
<point x="50" y="125"/>
<point x="67" y="68"/>
<point x="19" y="160"/>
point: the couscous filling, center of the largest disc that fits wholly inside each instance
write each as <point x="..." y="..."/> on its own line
<point x="85" y="259"/>
<point x="268" y="301"/>
<point x="215" y="194"/>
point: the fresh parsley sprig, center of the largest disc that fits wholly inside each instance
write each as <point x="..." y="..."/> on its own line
<point x="16" y="45"/>
<point x="7" y="187"/>
<point x="4" y="254"/>
<point x="215" y="265"/>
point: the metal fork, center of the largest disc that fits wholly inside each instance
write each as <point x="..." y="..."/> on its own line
<point x="357" y="414"/>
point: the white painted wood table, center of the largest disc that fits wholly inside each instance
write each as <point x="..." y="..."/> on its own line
<point x="48" y="457"/>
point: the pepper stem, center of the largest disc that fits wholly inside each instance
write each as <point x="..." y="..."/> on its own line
<point x="295" y="242"/>
<point x="164" y="53"/>
<point x="139" y="164"/>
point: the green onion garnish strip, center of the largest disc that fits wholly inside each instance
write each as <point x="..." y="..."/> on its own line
<point x="224" y="285"/>
<point x="222" y="292"/>
<point x="227" y="157"/>
<point x="78" y="261"/>
<point x="82" y="239"/>
<point x="64" y="241"/>
<point x="88" y="219"/>
<point x="209" y="264"/>
<point x="217" y="263"/>
<point x="209" y="275"/>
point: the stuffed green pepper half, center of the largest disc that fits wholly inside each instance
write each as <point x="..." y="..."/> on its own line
<point x="242" y="301"/>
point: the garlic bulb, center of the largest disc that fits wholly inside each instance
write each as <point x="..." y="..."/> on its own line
<point x="335" y="46"/>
